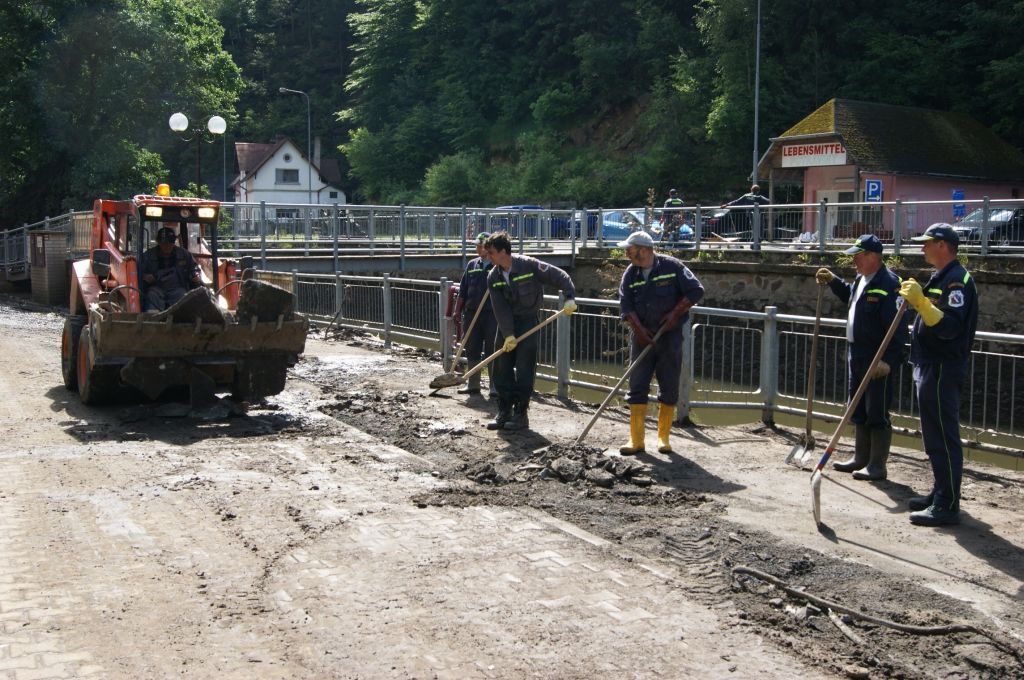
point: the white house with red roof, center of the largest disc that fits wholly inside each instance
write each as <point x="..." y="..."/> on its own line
<point x="280" y="173"/>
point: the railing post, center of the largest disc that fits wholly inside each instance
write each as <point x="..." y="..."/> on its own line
<point x="263" y="235"/>
<point x="822" y="225"/>
<point x="386" y="290"/>
<point x="563" y="328"/>
<point x="696" y="230"/>
<point x="769" y="382"/>
<point x="600" y="227"/>
<point x="335" y="227"/>
<point x="986" y="213"/>
<point x="686" y="375"/>
<point x="401" y="238"/>
<point x="464" y="227"/>
<point x="897" y="228"/>
<point x="433" y="218"/>
<point x="308" y="228"/>
<point x="339" y="296"/>
<point x="755" y="228"/>
<point x="522" y="231"/>
<point x="445" y="325"/>
<point x="371" y="227"/>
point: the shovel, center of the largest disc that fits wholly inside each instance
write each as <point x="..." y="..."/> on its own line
<point x="901" y="307"/>
<point x="451" y="379"/>
<point x="615" y="389"/>
<point x="806" y="443"/>
<point x="465" y="336"/>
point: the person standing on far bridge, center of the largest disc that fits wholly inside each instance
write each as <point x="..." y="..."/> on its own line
<point x="517" y="291"/>
<point x="656" y="291"/>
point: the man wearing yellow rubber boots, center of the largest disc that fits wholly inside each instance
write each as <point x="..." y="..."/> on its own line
<point x="656" y="291"/>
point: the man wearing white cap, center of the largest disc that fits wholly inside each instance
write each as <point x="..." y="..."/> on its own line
<point x="656" y="291"/>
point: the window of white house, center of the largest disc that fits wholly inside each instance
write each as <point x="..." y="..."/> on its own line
<point x="287" y="158"/>
<point x="286" y="176"/>
<point x="334" y="194"/>
<point x="286" y="213"/>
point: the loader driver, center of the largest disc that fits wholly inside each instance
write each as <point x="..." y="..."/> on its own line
<point x="168" y="272"/>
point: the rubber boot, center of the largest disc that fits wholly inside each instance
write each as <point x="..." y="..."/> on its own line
<point x="861" y="451"/>
<point x="921" y="502"/>
<point x="637" y="414"/>
<point x="519" y="419"/>
<point x="666" y="414"/>
<point x="504" y="413"/>
<point x="472" y="385"/>
<point x="881" y="438"/>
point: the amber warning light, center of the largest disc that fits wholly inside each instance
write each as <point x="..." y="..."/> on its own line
<point x="163" y="190"/>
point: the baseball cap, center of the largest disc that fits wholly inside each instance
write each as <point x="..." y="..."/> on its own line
<point x="867" y="243"/>
<point x="672" y="191"/>
<point x="165" y="235"/>
<point x="482" y="236"/>
<point x="940" y="231"/>
<point x="637" y="238"/>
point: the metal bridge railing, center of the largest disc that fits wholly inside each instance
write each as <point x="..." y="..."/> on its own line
<point x="736" y="359"/>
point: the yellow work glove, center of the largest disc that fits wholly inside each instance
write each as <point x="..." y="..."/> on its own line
<point x="881" y="370"/>
<point x="912" y="293"/>
<point x="569" y="307"/>
<point x="510" y="344"/>
<point x="823" y="276"/>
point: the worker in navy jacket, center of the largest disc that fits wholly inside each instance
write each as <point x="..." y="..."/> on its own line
<point x="656" y="291"/>
<point x="871" y="307"/>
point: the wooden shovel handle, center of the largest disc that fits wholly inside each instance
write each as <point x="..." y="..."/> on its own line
<point x="483" y="364"/>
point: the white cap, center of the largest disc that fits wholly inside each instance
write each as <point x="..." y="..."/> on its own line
<point x="637" y="238"/>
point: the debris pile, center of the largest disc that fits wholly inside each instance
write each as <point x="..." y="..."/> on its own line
<point x="570" y="464"/>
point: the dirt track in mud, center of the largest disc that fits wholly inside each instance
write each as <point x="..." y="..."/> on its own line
<point x="277" y="544"/>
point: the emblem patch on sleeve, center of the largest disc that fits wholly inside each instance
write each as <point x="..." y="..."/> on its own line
<point x="543" y="266"/>
<point x="956" y="298"/>
<point x="687" y="273"/>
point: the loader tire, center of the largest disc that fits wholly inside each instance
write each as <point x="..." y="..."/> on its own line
<point x="96" y="384"/>
<point x="73" y="326"/>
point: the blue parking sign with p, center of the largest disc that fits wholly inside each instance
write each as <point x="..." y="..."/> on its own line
<point x="959" y="209"/>
<point x="873" y="190"/>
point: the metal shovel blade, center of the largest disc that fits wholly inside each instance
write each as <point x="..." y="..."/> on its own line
<point x="800" y="451"/>
<point x="445" y="380"/>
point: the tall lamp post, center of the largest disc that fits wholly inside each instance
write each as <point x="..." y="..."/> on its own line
<point x="309" y="138"/>
<point x="757" y="89"/>
<point x="217" y="126"/>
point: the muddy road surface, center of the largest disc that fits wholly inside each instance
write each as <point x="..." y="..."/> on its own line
<point x="353" y="527"/>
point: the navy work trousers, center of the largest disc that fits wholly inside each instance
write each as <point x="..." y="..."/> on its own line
<point x="516" y="371"/>
<point x="664" y="362"/>
<point x="938" y="394"/>
<point x="873" y="409"/>
<point x="479" y="343"/>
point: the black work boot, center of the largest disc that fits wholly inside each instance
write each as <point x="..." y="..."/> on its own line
<point x="920" y="502"/>
<point x="881" y="438"/>
<point x="861" y="451"/>
<point x="519" y="420"/>
<point x="504" y="413"/>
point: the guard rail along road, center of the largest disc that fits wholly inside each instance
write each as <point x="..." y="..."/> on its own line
<point x="267" y="231"/>
<point x="735" y="359"/>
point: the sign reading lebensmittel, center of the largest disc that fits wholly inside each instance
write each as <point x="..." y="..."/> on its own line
<point x="813" y="153"/>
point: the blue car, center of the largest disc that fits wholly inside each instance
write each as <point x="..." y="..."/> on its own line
<point x="619" y="224"/>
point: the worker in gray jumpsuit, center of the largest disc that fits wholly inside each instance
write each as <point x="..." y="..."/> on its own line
<point x="517" y="290"/>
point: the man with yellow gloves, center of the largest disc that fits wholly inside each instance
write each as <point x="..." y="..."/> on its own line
<point x="656" y="291"/>
<point x="940" y="350"/>
<point x="517" y="285"/>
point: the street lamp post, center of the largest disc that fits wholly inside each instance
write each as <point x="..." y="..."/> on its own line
<point x="309" y="138"/>
<point x="217" y="126"/>
<point x="757" y="89"/>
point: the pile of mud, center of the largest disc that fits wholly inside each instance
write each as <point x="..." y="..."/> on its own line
<point x="569" y="464"/>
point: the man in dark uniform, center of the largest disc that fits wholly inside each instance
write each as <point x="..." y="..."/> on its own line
<point x="472" y="287"/>
<point x="871" y="302"/>
<point x="656" y="290"/>
<point x="517" y="291"/>
<point x="940" y="350"/>
<point x="168" y="272"/>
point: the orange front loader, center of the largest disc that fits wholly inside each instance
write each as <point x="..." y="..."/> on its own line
<point x="232" y="334"/>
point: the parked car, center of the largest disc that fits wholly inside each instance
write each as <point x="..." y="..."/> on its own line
<point x="1005" y="225"/>
<point x="619" y="224"/>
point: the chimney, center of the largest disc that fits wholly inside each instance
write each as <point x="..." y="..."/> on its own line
<point x="316" y="152"/>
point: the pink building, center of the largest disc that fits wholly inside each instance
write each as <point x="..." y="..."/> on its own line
<point x="849" y="151"/>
